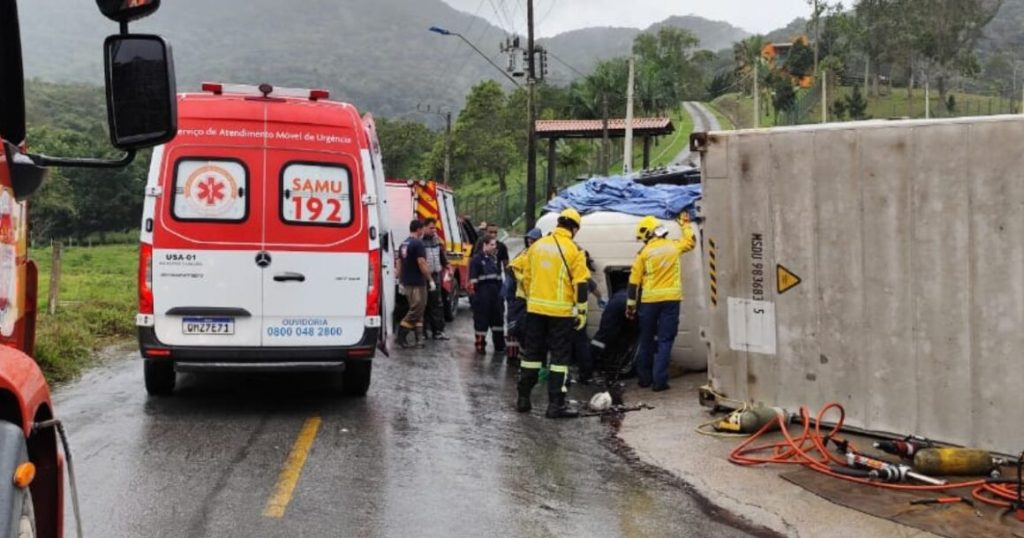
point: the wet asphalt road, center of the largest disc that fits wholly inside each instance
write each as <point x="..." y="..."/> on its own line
<point x="435" y="449"/>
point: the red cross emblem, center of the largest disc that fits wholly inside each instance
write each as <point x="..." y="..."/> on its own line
<point x="210" y="191"/>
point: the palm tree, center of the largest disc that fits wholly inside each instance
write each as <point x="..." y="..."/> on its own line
<point x="747" y="57"/>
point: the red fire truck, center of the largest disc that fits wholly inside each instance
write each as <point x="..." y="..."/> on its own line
<point x="141" y="110"/>
<point x="421" y="199"/>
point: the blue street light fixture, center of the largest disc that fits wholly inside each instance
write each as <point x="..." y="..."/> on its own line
<point x="441" y="31"/>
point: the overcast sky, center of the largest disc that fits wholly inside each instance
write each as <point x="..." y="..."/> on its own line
<point x="556" y="16"/>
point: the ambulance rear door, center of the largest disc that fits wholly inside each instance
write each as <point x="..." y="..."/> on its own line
<point x="206" y="233"/>
<point x="317" y="238"/>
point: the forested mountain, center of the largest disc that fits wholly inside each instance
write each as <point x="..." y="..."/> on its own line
<point x="377" y="54"/>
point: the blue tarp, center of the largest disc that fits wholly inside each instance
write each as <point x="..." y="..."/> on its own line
<point x="623" y="195"/>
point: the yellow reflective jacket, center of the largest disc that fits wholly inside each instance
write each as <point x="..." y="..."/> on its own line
<point x="553" y="285"/>
<point x="517" y="266"/>
<point x="657" y="269"/>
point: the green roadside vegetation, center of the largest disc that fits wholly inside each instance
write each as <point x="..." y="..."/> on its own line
<point x="896" y="103"/>
<point x="96" y="306"/>
<point x="723" y="120"/>
<point x="738" y="110"/>
<point x="890" y="104"/>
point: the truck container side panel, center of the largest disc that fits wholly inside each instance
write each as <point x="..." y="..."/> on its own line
<point x="916" y="294"/>
<point x="762" y="366"/>
<point x="887" y="351"/>
<point x="941" y="269"/>
<point x="997" y="272"/>
<point x="719" y="200"/>
<point x="840" y="256"/>
<point x="796" y="215"/>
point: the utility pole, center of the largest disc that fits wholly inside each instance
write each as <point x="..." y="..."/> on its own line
<point x="448" y="148"/>
<point x="627" y="147"/>
<point x="927" y="98"/>
<point x="605" y="160"/>
<point x="757" y="93"/>
<point x="824" y="97"/>
<point x="447" y="138"/>
<point x="531" y="143"/>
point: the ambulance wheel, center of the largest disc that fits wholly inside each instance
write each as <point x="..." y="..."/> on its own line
<point x="355" y="380"/>
<point x="451" y="303"/>
<point x="160" y="377"/>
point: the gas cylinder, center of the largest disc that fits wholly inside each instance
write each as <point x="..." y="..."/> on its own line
<point x="953" y="461"/>
<point x="750" y="420"/>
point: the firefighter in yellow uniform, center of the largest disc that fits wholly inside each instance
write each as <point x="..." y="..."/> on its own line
<point x="656" y="283"/>
<point x="555" y="279"/>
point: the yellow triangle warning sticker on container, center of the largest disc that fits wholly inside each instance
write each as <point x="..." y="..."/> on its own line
<point x="787" y="280"/>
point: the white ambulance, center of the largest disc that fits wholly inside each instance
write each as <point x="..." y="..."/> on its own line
<point x="261" y="245"/>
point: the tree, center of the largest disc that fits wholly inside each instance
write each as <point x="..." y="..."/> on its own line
<point x="800" y="61"/>
<point x="483" y="142"/>
<point x="668" y="67"/>
<point x="784" y="96"/>
<point x="876" y="22"/>
<point x="946" y="34"/>
<point x="405" y="144"/>
<point x="747" y="60"/>
<point x="608" y="80"/>
<point x="856" y="105"/>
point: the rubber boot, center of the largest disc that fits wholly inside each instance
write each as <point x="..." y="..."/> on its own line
<point x="402" y="337"/>
<point x="421" y="338"/>
<point x="525" y="386"/>
<point x="557" y="408"/>
<point x="481" y="344"/>
<point x="499" y="341"/>
<point x="511" y="349"/>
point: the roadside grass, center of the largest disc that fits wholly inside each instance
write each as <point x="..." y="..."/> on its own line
<point x="723" y="120"/>
<point x="96" y="306"/>
<point x="894" y="103"/>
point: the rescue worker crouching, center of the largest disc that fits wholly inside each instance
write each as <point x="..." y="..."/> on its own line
<point x="656" y="283"/>
<point x="515" y="297"/>
<point x="485" y="277"/>
<point x="555" y="279"/>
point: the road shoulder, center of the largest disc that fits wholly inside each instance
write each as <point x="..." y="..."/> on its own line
<point x="666" y="438"/>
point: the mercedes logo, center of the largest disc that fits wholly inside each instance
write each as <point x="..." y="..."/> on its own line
<point x="263" y="258"/>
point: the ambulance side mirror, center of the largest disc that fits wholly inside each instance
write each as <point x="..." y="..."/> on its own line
<point x="142" y="106"/>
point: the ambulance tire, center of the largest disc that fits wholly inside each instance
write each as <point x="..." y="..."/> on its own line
<point x="451" y="301"/>
<point x="355" y="380"/>
<point x="160" y="377"/>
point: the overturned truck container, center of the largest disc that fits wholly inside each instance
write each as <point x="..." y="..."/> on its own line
<point x="877" y="264"/>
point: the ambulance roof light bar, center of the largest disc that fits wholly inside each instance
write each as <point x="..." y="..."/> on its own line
<point x="265" y="90"/>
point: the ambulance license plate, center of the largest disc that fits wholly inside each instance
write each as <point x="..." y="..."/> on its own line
<point x="212" y="326"/>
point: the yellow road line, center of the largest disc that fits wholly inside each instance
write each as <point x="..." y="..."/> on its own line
<point x="289" y="476"/>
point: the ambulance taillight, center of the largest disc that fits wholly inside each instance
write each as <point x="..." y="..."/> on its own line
<point x="145" y="278"/>
<point x="373" y="286"/>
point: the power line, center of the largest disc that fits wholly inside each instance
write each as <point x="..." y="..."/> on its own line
<point x="501" y="21"/>
<point x="551" y="8"/>
<point x="561" y="61"/>
<point x="455" y="46"/>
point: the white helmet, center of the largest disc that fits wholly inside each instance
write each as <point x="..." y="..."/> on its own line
<point x="602" y="401"/>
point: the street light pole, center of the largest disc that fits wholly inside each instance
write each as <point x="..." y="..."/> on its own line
<point x="442" y="31"/>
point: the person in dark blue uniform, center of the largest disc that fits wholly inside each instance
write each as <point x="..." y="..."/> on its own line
<point x="614" y="325"/>
<point x="485" y="277"/>
<point x="515" y="297"/>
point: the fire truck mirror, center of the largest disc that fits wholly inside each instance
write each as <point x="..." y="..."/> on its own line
<point x="127" y="10"/>
<point x="141" y="100"/>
